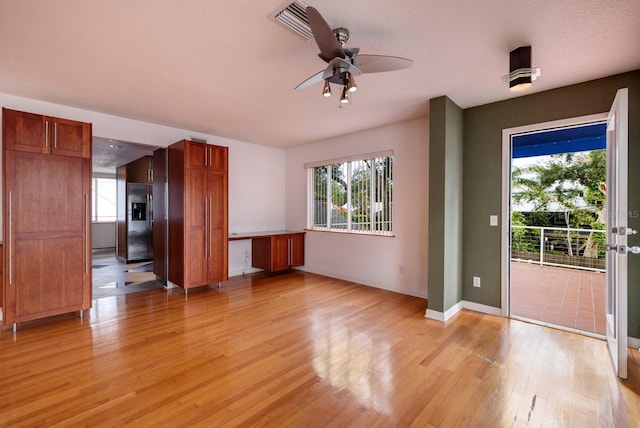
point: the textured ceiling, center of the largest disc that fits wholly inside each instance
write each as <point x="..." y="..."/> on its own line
<point x="226" y="68"/>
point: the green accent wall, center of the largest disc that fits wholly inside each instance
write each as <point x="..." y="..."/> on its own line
<point x="482" y="180"/>
<point x="445" y="204"/>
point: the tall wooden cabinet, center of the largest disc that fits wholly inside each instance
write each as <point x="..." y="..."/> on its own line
<point x="46" y="216"/>
<point x="160" y="214"/>
<point x="197" y="214"/>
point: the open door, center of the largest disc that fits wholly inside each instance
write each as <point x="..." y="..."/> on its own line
<point x="617" y="231"/>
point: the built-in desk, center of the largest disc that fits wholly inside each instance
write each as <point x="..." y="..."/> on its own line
<point x="274" y="250"/>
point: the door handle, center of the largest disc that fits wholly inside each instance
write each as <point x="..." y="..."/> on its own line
<point x="623" y="231"/>
<point x="622" y="249"/>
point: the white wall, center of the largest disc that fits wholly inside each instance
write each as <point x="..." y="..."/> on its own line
<point x="256" y="173"/>
<point x="394" y="263"/>
<point x="103" y="235"/>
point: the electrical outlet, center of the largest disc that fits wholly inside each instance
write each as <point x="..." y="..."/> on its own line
<point x="476" y="281"/>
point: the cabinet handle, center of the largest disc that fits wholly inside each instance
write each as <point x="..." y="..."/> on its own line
<point x="46" y="134"/>
<point x="87" y="234"/>
<point x="206" y="226"/>
<point x="55" y="135"/>
<point x="210" y="228"/>
<point x="10" y="238"/>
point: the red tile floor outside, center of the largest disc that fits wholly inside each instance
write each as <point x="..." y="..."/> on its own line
<point x="563" y="296"/>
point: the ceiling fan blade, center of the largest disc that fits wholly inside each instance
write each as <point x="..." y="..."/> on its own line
<point x="329" y="46"/>
<point x="381" y="63"/>
<point x="316" y="78"/>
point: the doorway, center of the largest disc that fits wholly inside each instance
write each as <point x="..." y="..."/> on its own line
<point x="554" y="263"/>
<point x="111" y="277"/>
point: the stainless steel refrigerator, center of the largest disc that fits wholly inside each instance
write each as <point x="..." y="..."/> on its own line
<point x="139" y="222"/>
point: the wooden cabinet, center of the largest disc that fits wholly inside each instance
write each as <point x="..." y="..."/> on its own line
<point x="160" y="213"/>
<point x="278" y="251"/>
<point x="29" y="132"/>
<point x="46" y="219"/>
<point x="197" y="214"/>
<point x="140" y="170"/>
<point x="1" y="278"/>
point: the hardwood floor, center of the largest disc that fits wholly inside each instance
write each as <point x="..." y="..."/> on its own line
<point x="303" y="350"/>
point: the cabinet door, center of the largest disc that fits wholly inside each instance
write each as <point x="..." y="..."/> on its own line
<point x="217" y="226"/>
<point x="279" y="252"/>
<point x="140" y="170"/>
<point x="195" y="155"/>
<point x="296" y="250"/>
<point x="70" y="138"/>
<point x="47" y="276"/>
<point x="48" y="242"/>
<point x="217" y="158"/>
<point x="26" y="132"/>
<point x="195" y="254"/>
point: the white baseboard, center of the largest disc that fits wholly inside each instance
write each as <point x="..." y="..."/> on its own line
<point x="434" y="315"/>
<point x="485" y="309"/>
<point x="444" y="317"/>
<point x="633" y="342"/>
<point x="463" y="304"/>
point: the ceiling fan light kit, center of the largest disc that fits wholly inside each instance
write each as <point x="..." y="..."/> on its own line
<point x="326" y="91"/>
<point x="344" y="98"/>
<point x="344" y="63"/>
<point x="521" y="75"/>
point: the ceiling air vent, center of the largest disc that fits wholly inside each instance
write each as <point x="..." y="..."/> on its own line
<point x="294" y="17"/>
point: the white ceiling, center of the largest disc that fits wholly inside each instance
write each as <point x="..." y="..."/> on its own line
<point x="226" y="68"/>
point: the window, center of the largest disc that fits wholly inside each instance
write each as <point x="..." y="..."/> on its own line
<point x="103" y="198"/>
<point x="352" y="195"/>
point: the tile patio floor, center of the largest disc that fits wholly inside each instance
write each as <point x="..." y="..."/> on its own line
<point x="566" y="297"/>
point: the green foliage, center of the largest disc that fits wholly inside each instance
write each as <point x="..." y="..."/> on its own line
<point x="364" y="196"/>
<point x="562" y="182"/>
<point x="519" y="241"/>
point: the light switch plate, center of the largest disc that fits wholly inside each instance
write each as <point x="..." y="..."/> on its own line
<point x="493" y="220"/>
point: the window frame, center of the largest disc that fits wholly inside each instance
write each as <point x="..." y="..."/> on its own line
<point x="371" y="187"/>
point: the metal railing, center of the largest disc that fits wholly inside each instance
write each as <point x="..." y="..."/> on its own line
<point x="556" y="246"/>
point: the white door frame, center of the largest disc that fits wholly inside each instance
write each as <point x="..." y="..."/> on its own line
<point x="617" y="222"/>
<point x="505" y="250"/>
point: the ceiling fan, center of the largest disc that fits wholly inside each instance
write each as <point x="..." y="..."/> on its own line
<point x="344" y="63"/>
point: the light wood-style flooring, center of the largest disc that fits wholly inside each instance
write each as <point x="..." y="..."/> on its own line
<point x="303" y="350"/>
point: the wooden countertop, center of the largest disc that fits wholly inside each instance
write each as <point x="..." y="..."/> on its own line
<point x="249" y="235"/>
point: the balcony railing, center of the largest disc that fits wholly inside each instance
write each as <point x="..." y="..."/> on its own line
<point x="556" y="246"/>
